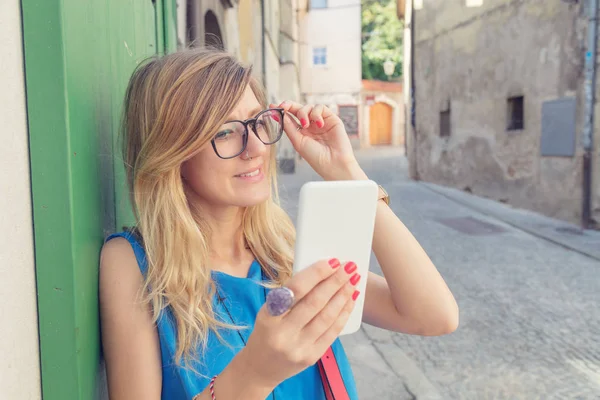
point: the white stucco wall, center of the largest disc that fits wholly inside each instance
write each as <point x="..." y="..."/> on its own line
<point x="19" y="346"/>
<point x="338" y="28"/>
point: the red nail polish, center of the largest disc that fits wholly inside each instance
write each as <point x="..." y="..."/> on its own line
<point x="275" y="117"/>
<point x="334" y="263"/>
<point x="350" y="267"/>
<point x="302" y="122"/>
<point x="355" y="278"/>
<point x="319" y="124"/>
<point x="355" y="295"/>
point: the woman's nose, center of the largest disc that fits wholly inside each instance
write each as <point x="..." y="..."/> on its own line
<point x="255" y="146"/>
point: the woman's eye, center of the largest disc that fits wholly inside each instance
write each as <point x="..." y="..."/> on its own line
<point x="223" y="135"/>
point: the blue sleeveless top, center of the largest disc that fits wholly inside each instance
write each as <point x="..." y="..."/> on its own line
<point x="243" y="297"/>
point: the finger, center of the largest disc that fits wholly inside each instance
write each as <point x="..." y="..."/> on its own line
<point x="304" y="115"/>
<point x="292" y="127"/>
<point x="304" y="281"/>
<point x="329" y="314"/>
<point x="294" y="108"/>
<point x="316" y="115"/>
<point x="323" y="342"/>
<point x="318" y="298"/>
<point x="291" y="106"/>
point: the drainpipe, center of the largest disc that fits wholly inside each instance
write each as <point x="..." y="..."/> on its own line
<point x="264" y="52"/>
<point x="588" y="128"/>
<point x="413" y="100"/>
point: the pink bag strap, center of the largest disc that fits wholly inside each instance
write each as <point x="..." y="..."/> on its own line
<point x="333" y="383"/>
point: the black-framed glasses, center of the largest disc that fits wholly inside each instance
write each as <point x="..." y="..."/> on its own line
<point x="232" y="138"/>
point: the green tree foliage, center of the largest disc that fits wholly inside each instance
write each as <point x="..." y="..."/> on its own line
<point x="382" y="34"/>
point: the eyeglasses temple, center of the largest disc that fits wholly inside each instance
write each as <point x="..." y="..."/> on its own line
<point x="294" y="118"/>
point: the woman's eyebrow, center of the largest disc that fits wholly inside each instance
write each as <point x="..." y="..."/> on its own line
<point x="255" y="111"/>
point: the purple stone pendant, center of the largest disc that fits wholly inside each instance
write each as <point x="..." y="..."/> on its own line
<point x="279" y="300"/>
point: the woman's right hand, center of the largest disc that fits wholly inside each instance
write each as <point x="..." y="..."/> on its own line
<point x="282" y="346"/>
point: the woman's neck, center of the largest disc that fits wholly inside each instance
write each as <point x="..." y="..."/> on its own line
<point x="228" y="248"/>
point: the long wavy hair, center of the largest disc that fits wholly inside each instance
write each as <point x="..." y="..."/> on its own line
<point x="174" y="105"/>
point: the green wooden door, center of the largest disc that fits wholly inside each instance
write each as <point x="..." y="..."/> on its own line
<point x="78" y="58"/>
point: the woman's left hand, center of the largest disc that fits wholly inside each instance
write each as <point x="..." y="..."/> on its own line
<point x="322" y="141"/>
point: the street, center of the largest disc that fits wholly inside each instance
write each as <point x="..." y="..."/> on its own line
<point x="529" y="316"/>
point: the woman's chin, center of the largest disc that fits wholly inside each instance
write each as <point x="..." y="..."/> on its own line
<point x="253" y="197"/>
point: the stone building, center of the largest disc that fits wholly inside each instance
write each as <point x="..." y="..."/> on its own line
<point x="496" y="101"/>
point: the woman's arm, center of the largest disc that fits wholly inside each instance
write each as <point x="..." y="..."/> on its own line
<point x="129" y="338"/>
<point x="413" y="297"/>
<point x="238" y="382"/>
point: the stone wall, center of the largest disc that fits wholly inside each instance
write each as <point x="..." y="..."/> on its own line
<point x="469" y="61"/>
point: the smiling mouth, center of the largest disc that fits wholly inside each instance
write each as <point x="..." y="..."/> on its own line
<point x="249" y="174"/>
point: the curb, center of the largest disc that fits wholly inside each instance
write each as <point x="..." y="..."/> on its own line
<point x="415" y="381"/>
<point x="468" y="200"/>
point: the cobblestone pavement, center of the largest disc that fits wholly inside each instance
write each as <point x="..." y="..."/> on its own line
<point x="529" y="308"/>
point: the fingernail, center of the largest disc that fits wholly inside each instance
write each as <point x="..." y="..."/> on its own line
<point x="334" y="263"/>
<point x="350" y="267"/>
<point x="354" y="280"/>
<point x="355" y="295"/>
<point x="319" y="124"/>
<point x="275" y="117"/>
<point x="302" y="122"/>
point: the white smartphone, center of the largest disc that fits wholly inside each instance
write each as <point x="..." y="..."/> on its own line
<point x="337" y="219"/>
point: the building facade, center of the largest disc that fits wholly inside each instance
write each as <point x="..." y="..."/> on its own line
<point x="496" y="95"/>
<point x="330" y="54"/>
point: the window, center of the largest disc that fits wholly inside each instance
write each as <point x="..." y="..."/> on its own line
<point x="515" y="114"/>
<point x="319" y="56"/>
<point x="445" y="127"/>
<point x="318" y="3"/>
<point x="474" y="3"/>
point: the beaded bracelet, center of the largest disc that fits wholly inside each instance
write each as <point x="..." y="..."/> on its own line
<point x="212" y="387"/>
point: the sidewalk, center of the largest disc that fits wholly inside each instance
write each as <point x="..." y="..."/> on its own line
<point x="558" y="232"/>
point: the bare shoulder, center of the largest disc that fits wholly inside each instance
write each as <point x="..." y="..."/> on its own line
<point x="116" y="251"/>
<point x="118" y="265"/>
<point x="120" y="277"/>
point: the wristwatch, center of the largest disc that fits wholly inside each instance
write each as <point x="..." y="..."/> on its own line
<point x="383" y="195"/>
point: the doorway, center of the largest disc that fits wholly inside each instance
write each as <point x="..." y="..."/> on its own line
<point x="212" y="31"/>
<point x="380" y="124"/>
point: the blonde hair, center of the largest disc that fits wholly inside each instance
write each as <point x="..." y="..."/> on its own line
<point x="174" y="105"/>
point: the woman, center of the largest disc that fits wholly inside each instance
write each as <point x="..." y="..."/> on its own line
<point x="183" y="295"/>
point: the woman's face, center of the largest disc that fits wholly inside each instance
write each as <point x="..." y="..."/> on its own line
<point x="240" y="181"/>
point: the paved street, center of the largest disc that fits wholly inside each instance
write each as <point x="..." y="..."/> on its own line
<point x="528" y="289"/>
